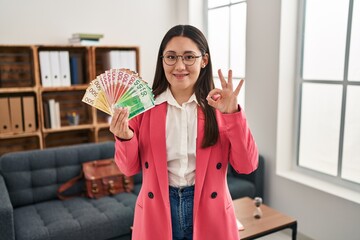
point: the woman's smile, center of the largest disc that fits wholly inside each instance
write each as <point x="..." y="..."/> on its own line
<point x="180" y="76"/>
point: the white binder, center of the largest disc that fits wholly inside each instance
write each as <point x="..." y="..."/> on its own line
<point x="45" y="68"/>
<point x="132" y="60"/>
<point x="65" y="77"/>
<point x="55" y="68"/>
<point x="112" y="60"/>
<point x="127" y="59"/>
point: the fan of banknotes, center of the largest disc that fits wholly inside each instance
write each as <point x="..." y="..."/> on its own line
<point x="117" y="88"/>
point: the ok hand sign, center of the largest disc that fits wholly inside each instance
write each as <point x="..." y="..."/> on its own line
<point x="225" y="99"/>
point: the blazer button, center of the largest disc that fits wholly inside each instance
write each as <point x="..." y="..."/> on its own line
<point x="218" y="166"/>
<point x="151" y="195"/>
<point x="214" y="195"/>
<point x="146" y="165"/>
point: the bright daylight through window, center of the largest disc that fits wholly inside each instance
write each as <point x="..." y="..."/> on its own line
<point x="329" y="118"/>
<point x="226" y="35"/>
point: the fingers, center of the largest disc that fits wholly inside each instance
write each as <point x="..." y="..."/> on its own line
<point x="224" y="84"/>
<point x="211" y="102"/>
<point x="222" y="79"/>
<point x="213" y="96"/>
<point x="238" y="88"/>
<point x="214" y="93"/>
<point x="119" y="124"/>
<point x="230" y="83"/>
<point x="115" y="117"/>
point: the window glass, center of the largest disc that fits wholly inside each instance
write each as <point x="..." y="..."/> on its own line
<point x="354" y="61"/>
<point x="351" y="150"/>
<point x="218" y="32"/>
<point x="325" y="39"/>
<point x="320" y="127"/>
<point x="217" y="3"/>
<point x="227" y="40"/>
<point x="237" y="39"/>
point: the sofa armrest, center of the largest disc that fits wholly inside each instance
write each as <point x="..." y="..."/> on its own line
<point x="7" y="230"/>
<point x="256" y="177"/>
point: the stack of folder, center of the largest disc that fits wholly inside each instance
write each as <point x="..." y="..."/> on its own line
<point x="17" y="114"/>
<point x="116" y="59"/>
<point x="55" y="68"/>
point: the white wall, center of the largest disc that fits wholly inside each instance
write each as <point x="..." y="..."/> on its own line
<point x="143" y="22"/>
<point x="123" y="22"/>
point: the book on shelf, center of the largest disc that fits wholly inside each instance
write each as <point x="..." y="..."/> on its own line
<point x="47" y="123"/>
<point x="53" y="114"/>
<point x="83" y="42"/>
<point x="87" y="35"/>
<point x="76" y="69"/>
<point x="85" y="38"/>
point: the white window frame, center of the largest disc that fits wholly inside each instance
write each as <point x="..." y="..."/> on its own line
<point x="288" y="114"/>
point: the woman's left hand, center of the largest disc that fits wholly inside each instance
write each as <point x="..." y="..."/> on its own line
<point x="225" y="99"/>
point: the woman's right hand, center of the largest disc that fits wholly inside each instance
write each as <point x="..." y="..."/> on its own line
<point x="119" y="124"/>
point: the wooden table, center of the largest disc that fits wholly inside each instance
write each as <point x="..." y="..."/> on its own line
<point x="270" y="222"/>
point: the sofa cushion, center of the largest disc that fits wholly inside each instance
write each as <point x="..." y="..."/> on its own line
<point x="34" y="176"/>
<point x="76" y="218"/>
<point x="240" y="188"/>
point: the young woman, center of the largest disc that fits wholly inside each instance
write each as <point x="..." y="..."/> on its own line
<point x="184" y="144"/>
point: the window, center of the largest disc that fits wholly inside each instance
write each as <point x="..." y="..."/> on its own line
<point x="226" y="30"/>
<point x="329" y="91"/>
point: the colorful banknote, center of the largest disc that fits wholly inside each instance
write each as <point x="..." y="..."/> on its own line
<point x="119" y="88"/>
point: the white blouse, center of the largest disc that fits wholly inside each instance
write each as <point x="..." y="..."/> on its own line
<point x="181" y="131"/>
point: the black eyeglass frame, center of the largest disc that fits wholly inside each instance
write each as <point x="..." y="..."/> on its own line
<point x="182" y="59"/>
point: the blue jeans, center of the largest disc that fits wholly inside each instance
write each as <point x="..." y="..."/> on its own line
<point x="182" y="203"/>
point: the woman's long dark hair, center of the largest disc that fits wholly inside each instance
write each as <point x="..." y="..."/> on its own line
<point x="203" y="85"/>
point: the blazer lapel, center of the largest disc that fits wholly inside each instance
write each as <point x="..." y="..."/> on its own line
<point x="158" y="145"/>
<point x="202" y="160"/>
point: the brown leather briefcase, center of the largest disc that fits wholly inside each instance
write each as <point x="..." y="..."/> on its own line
<point x="102" y="178"/>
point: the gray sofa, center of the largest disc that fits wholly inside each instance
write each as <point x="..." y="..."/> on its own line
<point x="30" y="209"/>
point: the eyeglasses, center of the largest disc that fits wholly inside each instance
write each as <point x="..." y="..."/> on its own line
<point x="188" y="59"/>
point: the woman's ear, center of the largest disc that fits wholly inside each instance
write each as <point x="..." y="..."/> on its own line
<point x="205" y="60"/>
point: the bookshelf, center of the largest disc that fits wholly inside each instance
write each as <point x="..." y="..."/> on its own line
<point x="24" y="112"/>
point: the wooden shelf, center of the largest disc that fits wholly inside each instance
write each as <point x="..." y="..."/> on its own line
<point x="21" y="77"/>
<point x="67" y="138"/>
<point x="68" y="128"/>
<point x="103" y="125"/>
<point x="69" y="88"/>
<point x="14" y="90"/>
<point x="17" y="135"/>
